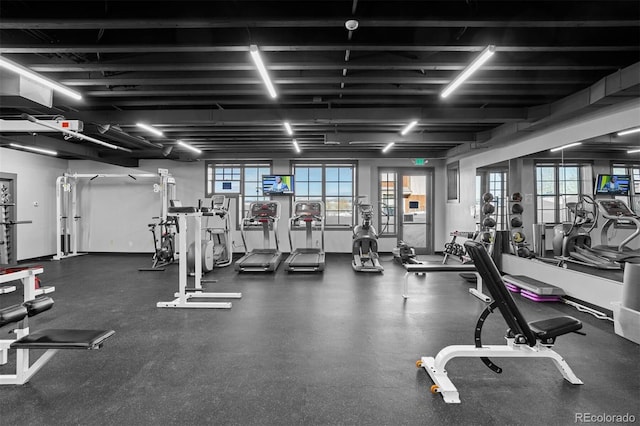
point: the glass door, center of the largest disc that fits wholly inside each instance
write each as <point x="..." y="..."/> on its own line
<point x="406" y="206"/>
<point x="415" y="216"/>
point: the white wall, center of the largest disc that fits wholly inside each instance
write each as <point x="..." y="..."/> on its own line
<point x="115" y="212"/>
<point x="36" y="178"/>
<point x="600" y="122"/>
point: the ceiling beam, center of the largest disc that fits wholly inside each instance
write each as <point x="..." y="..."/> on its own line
<point x="411" y="139"/>
<point x="104" y="49"/>
<point x="387" y="79"/>
<point x="415" y="101"/>
<point x="443" y="22"/>
<point x="301" y="66"/>
<point x="308" y="115"/>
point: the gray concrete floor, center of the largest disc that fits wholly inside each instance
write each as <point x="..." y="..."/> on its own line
<point x="307" y="349"/>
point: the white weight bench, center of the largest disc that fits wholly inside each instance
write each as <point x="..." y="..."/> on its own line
<point x="50" y="340"/>
<point x="524" y="340"/>
<point x="424" y="268"/>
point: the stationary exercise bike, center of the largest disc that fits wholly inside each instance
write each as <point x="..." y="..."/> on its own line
<point x="365" y="242"/>
<point x="164" y="254"/>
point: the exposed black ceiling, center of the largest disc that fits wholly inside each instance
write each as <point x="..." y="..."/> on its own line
<point x="185" y="68"/>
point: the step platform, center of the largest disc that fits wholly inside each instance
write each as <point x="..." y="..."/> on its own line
<point x="533" y="289"/>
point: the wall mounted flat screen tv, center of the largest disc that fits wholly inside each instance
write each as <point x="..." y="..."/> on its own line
<point x="278" y="184"/>
<point x="612" y="185"/>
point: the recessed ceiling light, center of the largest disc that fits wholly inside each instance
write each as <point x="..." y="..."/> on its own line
<point x="560" y="148"/>
<point x="630" y="131"/>
<point x="27" y="73"/>
<point x="34" y="149"/>
<point x="409" y="127"/>
<point x="150" y="129"/>
<point x="192" y="148"/>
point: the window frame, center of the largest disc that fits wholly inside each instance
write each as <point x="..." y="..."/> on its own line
<point x="324" y="165"/>
<point x="633" y="170"/>
<point x="453" y="182"/>
<point x="557" y="195"/>
<point x="240" y="196"/>
<point x="383" y="196"/>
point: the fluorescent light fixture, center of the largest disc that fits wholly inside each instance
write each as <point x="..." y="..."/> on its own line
<point x="192" y="148"/>
<point x="72" y="133"/>
<point x="409" y="127"/>
<point x="628" y="132"/>
<point x="295" y="144"/>
<point x="388" y="147"/>
<point x="470" y="69"/>
<point x="633" y="151"/>
<point x="26" y="72"/>
<point x="150" y="129"/>
<point x="288" y="127"/>
<point x="560" y="148"/>
<point x="255" y="55"/>
<point x="34" y="149"/>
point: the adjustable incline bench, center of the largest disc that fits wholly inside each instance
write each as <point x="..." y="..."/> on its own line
<point x="524" y="340"/>
<point x="51" y="340"/>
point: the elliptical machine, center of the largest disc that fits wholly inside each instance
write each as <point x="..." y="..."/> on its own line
<point x="365" y="242"/>
<point x="568" y="236"/>
<point x="216" y="246"/>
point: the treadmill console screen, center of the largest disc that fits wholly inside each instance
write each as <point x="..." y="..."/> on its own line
<point x="616" y="208"/>
<point x="262" y="210"/>
<point x="308" y="209"/>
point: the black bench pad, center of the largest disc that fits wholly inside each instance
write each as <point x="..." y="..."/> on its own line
<point x="11" y="314"/>
<point x="63" y="339"/>
<point x="554" y="327"/>
<point x="439" y="267"/>
<point x="182" y="210"/>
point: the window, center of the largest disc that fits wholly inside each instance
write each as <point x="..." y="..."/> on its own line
<point x="498" y="187"/>
<point x="243" y="180"/>
<point x="333" y="183"/>
<point x="453" y="171"/>
<point x="388" y="196"/>
<point x="556" y="185"/>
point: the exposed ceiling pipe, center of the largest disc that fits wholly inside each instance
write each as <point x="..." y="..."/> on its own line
<point x="115" y="133"/>
<point x="74" y="134"/>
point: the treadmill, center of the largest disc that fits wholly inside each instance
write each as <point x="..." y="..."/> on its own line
<point x="263" y="214"/>
<point x="309" y="259"/>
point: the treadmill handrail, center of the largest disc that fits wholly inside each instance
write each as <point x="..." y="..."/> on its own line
<point x="261" y="220"/>
<point x="321" y="219"/>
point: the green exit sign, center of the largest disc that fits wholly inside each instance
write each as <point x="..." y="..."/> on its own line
<point x="420" y="161"/>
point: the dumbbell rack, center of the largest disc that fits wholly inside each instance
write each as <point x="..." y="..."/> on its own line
<point x="463" y="258"/>
<point x="516" y="245"/>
